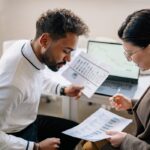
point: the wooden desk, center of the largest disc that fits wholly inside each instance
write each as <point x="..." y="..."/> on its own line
<point x="70" y="106"/>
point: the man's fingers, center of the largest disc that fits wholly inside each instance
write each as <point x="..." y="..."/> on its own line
<point x="78" y="96"/>
<point x="78" y="87"/>
<point x="56" y="146"/>
<point x="81" y="88"/>
<point x="55" y="140"/>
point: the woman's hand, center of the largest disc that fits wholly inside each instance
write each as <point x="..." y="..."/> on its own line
<point x="120" y="102"/>
<point x="116" y="137"/>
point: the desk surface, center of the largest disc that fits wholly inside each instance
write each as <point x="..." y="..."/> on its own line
<point x="70" y="107"/>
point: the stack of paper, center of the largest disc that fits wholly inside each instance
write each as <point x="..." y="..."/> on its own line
<point x="83" y="70"/>
<point x="94" y="127"/>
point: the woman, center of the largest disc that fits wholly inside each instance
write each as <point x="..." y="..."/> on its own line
<point x="135" y="34"/>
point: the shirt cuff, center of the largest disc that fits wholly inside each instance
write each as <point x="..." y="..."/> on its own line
<point x="58" y="89"/>
<point x="31" y="145"/>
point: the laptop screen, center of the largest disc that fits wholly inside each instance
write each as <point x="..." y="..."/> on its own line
<point x="112" y="54"/>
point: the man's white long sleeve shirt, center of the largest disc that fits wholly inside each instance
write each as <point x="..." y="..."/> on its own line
<point x="21" y="85"/>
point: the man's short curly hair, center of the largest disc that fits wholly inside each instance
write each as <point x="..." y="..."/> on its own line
<point x="58" y="22"/>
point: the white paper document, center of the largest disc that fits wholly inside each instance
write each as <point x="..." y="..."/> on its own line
<point x="83" y="70"/>
<point x="94" y="127"/>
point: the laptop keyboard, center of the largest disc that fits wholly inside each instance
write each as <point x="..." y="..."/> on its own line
<point x="110" y="88"/>
<point x="115" y="85"/>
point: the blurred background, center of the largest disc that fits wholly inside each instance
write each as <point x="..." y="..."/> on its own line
<point x="18" y="17"/>
<point x="104" y="17"/>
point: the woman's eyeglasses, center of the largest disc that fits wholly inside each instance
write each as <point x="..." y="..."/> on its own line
<point x="129" y="54"/>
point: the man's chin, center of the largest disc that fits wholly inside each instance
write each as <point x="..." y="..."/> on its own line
<point x="55" y="69"/>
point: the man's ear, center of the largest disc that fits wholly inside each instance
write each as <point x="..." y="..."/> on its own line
<point x="44" y="40"/>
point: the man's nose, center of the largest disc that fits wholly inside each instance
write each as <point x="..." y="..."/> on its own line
<point x="68" y="58"/>
<point x="129" y="58"/>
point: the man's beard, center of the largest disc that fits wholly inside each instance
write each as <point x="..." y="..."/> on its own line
<point x="55" y="67"/>
<point x="51" y="64"/>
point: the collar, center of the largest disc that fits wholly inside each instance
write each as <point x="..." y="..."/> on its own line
<point x="137" y="103"/>
<point x="29" y="54"/>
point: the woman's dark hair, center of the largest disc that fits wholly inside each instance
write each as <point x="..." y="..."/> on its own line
<point x="136" y="28"/>
<point x="58" y="22"/>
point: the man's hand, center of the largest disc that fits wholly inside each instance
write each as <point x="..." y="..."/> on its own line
<point x="49" y="144"/>
<point x="74" y="91"/>
<point x="116" y="137"/>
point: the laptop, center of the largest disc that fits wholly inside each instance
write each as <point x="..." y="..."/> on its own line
<point x="123" y="76"/>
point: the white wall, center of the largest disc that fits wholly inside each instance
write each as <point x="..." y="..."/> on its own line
<point x="18" y="17"/>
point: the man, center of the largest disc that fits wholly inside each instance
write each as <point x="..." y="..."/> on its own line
<point x="21" y="84"/>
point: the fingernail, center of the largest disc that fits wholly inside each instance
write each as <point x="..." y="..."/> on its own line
<point x="114" y="99"/>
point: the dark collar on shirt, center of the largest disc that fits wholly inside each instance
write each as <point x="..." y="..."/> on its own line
<point x="29" y="54"/>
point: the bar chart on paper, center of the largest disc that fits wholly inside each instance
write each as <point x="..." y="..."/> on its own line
<point x="85" y="71"/>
